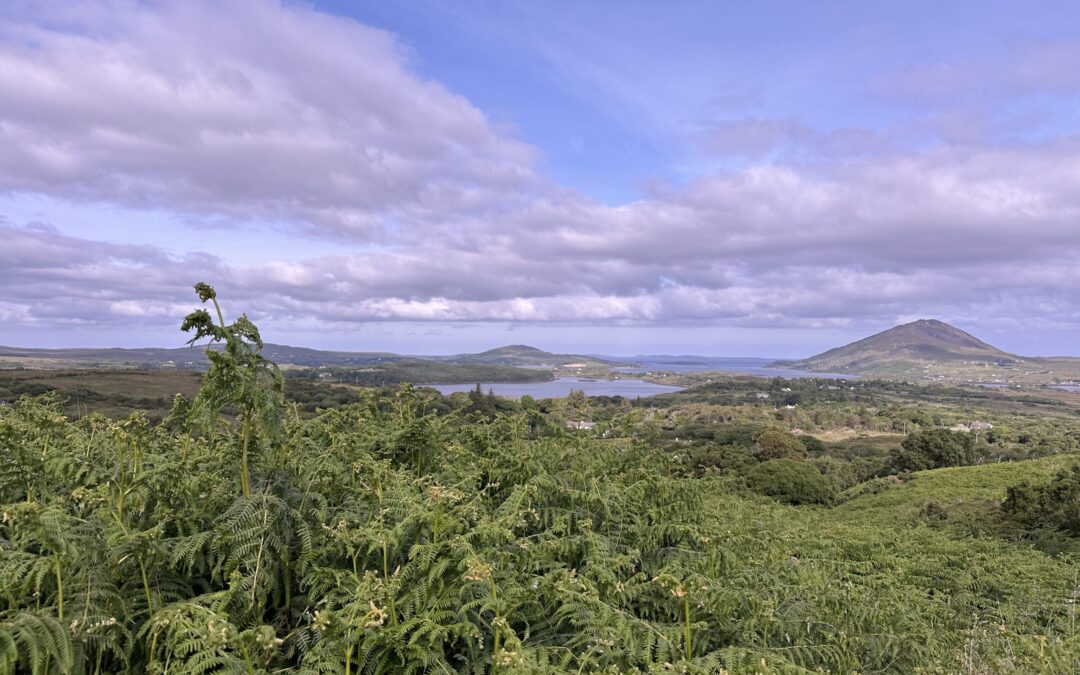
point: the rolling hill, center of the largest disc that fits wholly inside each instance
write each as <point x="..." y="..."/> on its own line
<point x="180" y="358"/>
<point x="513" y="363"/>
<point x="524" y="355"/>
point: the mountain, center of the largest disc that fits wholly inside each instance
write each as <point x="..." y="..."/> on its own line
<point x="907" y="348"/>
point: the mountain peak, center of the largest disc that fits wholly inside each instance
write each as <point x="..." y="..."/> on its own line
<point x="905" y="347"/>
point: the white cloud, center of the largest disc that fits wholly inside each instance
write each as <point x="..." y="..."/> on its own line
<point x="250" y="109"/>
<point x="243" y="109"/>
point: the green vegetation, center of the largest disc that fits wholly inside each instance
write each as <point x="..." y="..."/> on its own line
<point x="791" y="482"/>
<point x="777" y="444"/>
<point x="113" y="393"/>
<point x="410" y="532"/>
<point x="421" y="372"/>
<point x="117" y="394"/>
<point x="524" y="355"/>
<point x="369" y="369"/>
<point x="1053" y="504"/>
<point x="935" y="449"/>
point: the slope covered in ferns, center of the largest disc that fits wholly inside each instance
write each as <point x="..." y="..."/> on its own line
<point x="377" y="538"/>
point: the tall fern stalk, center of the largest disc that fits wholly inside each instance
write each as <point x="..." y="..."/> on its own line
<point x="238" y="377"/>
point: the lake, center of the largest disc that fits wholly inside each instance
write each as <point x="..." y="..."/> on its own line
<point x="633" y="387"/>
<point x="757" y="367"/>
<point x="562" y="386"/>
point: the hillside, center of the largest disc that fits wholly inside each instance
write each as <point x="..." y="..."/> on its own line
<point x="558" y="542"/>
<point x="193" y="358"/>
<point x="524" y="355"/>
<point x="965" y="493"/>
<point x="910" y="349"/>
<point x="180" y="358"/>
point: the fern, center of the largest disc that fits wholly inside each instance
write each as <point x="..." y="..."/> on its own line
<point x="381" y="538"/>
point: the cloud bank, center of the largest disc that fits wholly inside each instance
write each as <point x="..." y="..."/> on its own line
<point x="251" y="114"/>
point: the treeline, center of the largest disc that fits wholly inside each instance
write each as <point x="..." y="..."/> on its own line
<point x="420" y="372"/>
<point x="119" y="393"/>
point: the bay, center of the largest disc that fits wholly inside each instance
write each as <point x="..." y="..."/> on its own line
<point x="735" y="365"/>
<point x="562" y="386"/>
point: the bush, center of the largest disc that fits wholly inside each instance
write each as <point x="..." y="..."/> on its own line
<point x="713" y="458"/>
<point x="812" y="444"/>
<point x="842" y="473"/>
<point x="933" y="510"/>
<point x="789" y="481"/>
<point x="734" y="434"/>
<point x="1053" y="505"/>
<point x="871" y="487"/>
<point x="776" y="444"/>
<point x="934" y="449"/>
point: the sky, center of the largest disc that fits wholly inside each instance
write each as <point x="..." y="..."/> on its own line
<point x="742" y="179"/>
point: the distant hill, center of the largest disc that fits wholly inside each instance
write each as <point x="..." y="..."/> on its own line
<point x="524" y="355"/>
<point x="193" y="358"/>
<point x="181" y="358"/>
<point x="906" y="348"/>
<point x="504" y="364"/>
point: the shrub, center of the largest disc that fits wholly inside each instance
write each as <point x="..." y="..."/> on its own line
<point x="842" y="473"/>
<point x="871" y="487"/>
<point x="776" y="444"/>
<point x="718" y="458"/>
<point x="934" y="449"/>
<point x="1055" y="504"/>
<point x="789" y="481"/>
<point x="933" y="510"/>
<point x="734" y="434"/>
<point x="812" y="444"/>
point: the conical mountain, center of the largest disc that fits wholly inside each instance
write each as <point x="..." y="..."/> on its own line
<point x="922" y="342"/>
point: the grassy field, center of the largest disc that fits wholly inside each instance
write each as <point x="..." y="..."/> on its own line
<point x="113" y="393"/>
<point x="119" y="393"/>
<point x="424" y="372"/>
<point x="963" y="492"/>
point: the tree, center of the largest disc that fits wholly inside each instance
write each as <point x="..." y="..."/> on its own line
<point x="934" y="449"/>
<point x="578" y="402"/>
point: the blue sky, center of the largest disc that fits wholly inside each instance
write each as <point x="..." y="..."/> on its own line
<point x="765" y="178"/>
<point x="614" y="92"/>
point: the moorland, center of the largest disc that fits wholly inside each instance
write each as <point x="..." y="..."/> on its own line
<point x="237" y="520"/>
